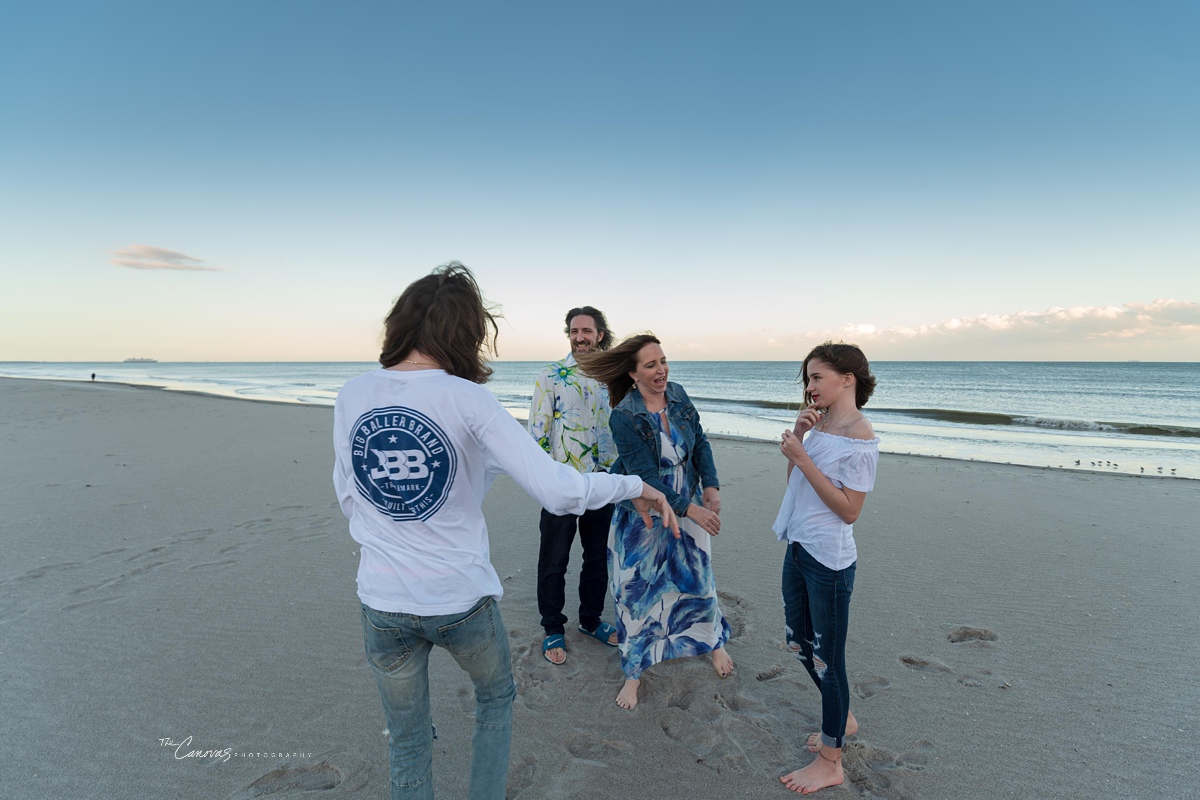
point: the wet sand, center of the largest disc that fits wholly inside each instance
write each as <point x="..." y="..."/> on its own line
<point x="177" y="578"/>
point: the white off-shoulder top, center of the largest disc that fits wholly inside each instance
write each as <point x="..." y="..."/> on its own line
<point x="804" y="517"/>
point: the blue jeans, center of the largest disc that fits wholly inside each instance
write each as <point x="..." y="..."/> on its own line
<point x="558" y="533"/>
<point x="816" y="611"/>
<point x="398" y="647"/>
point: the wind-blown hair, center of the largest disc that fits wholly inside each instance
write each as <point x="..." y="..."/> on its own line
<point x="612" y="367"/>
<point x="444" y="316"/>
<point x="845" y="359"/>
<point x="601" y="324"/>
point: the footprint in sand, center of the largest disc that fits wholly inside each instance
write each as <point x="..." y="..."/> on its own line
<point x="211" y="564"/>
<point x="521" y="777"/>
<point x="309" y="537"/>
<point x="770" y="674"/>
<point x="923" y="664"/>
<point x="869" y="687"/>
<point x="877" y="772"/>
<point x="735" y="609"/>
<point x="968" y="634"/>
<point x="589" y="747"/>
<point x="317" y="777"/>
<point x="91" y="603"/>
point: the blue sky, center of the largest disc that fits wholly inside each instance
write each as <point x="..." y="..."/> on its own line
<point x="258" y="181"/>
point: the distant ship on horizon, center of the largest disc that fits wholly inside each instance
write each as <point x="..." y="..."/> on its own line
<point x="141" y="361"/>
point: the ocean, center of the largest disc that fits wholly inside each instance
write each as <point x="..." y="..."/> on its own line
<point x="1140" y="418"/>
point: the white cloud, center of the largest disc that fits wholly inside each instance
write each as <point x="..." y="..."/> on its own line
<point x="144" y="256"/>
<point x="1161" y="330"/>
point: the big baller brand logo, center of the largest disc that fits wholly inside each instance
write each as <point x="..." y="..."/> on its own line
<point x="402" y="462"/>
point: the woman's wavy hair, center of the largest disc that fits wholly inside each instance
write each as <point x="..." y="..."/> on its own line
<point x="846" y="359"/>
<point x="444" y="316"/>
<point x="612" y="366"/>
<point x="601" y="324"/>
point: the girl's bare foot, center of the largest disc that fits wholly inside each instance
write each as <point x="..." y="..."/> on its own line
<point x="814" y="739"/>
<point x="627" y="697"/>
<point x="722" y="663"/>
<point x="825" y="770"/>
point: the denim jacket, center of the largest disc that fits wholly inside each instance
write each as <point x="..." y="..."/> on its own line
<point x="639" y="450"/>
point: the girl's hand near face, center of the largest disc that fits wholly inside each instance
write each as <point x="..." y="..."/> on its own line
<point x="806" y="420"/>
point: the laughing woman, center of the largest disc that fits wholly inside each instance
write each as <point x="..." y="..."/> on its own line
<point x="662" y="585"/>
<point x="829" y="475"/>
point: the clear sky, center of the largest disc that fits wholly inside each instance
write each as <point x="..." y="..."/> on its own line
<point x="933" y="180"/>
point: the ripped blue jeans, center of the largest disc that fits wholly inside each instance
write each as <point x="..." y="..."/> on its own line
<point x="816" y="612"/>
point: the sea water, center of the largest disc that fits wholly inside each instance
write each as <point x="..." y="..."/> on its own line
<point x="1140" y="418"/>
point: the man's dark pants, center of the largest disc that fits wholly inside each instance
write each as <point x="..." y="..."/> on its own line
<point x="558" y="534"/>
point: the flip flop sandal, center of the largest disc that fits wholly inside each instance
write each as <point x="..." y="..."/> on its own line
<point x="554" y="640"/>
<point x="602" y="633"/>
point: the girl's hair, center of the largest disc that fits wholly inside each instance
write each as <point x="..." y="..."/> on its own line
<point x="845" y="359"/>
<point x="612" y="366"/>
<point x="444" y="316"/>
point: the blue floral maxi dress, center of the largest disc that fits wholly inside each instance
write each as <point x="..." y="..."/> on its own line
<point x="663" y="588"/>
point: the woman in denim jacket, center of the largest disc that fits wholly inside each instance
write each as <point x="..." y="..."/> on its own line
<point x="662" y="585"/>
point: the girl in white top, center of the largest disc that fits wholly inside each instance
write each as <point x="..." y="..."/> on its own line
<point x="829" y="475"/>
<point x="417" y="445"/>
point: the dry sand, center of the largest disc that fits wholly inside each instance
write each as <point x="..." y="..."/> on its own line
<point x="175" y="566"/>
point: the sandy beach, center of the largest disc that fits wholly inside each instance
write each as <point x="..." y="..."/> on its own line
<point x="177" y="579"/>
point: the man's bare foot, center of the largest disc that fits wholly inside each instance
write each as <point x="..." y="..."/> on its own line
<point x="825" y="770"/>
<point x="627" y="697"/>
<point x="722" y="663"/>
<point x="814" y="739"/>
<point x="556" y="655"/>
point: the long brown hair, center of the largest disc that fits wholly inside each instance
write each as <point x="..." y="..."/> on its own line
<point x="612" y="366"/>
<point x="445" y="317"/>
<point x="845" y="359"/>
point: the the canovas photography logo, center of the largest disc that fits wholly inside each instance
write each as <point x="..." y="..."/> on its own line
<point x="186" y="748"/>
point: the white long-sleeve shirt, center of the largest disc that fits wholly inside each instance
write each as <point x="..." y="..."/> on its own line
<point x="415" y="454"/>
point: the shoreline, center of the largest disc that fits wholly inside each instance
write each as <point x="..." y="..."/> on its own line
<point x="712" y="436"/>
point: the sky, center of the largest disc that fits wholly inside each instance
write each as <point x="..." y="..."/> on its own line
<point x="233" y="181"/>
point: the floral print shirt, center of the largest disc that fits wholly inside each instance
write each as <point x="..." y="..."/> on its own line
<point x="569" y="418"/>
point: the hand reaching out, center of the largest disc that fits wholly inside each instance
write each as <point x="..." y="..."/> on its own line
<point x="654" y="499"/>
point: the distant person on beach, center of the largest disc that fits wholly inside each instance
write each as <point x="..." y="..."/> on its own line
<point x="568" y="417"/>
<point x="662" y="585"/>
<point x="93" y="377"/>
<point x="417" y="445"/>
<point x="828" y="477"/>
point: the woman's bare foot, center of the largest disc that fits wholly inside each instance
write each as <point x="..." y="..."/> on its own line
<point x="627" y="697"/>
<point x="722" y="663"/>
<point x="825" y="770"/>
<point x="814" y="739"/>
